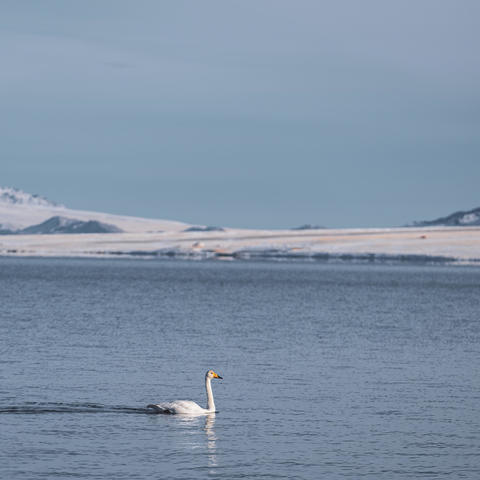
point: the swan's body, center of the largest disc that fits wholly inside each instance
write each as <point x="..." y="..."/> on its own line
<point x="187" y="407"/>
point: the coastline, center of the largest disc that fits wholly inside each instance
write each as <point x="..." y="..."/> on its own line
<point x="455" y="245"/>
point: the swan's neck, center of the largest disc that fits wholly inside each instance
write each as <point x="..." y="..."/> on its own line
<point x="208" y="387"/>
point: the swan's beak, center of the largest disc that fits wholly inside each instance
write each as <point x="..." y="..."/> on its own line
<point x="216" y="375"/>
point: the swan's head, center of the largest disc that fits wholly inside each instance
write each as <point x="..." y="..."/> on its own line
<point x="212" y="374"/>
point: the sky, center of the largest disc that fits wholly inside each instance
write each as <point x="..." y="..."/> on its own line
<point x="264" y="113"/>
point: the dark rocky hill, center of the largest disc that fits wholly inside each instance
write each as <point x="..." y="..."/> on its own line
<point x="59" y="224"/>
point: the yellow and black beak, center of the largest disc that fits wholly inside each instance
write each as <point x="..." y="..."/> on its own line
<point x="216" y="375"/>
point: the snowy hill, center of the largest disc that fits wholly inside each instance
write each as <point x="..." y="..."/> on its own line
<point x="20" y="210"/>
<point x="457" y="219"/>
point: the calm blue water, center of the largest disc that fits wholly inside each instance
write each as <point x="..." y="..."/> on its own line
<point x="330" y="371"/>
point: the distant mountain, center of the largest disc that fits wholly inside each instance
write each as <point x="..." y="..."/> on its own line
<point x="59" y="224"/>
<point x="208" y="228"/>
<point x="14" y="196"/>
<point x="457" y="219"/>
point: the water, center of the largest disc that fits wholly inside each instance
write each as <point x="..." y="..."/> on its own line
<point x="330" y="371"/>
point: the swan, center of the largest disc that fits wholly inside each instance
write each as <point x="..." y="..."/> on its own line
<point x="187" y="406"/>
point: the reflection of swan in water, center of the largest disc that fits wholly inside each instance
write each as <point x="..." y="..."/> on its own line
<point x="211" y="440"/>
<point x="187" y="406"/>
<point x="193" y="423"/>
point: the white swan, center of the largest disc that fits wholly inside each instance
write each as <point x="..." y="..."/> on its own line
<point x="187" y="406"/>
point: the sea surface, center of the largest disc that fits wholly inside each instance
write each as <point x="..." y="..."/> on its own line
<point x="330" y="370"/>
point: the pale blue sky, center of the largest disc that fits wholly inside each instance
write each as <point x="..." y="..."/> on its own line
<point x="244" y="113"/>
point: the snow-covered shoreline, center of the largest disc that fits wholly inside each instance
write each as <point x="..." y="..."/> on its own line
<point x="35" y="226"/>
<point x="417" y="244"/>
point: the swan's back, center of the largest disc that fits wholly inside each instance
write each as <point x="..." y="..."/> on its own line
<point x="179" y="406"/>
